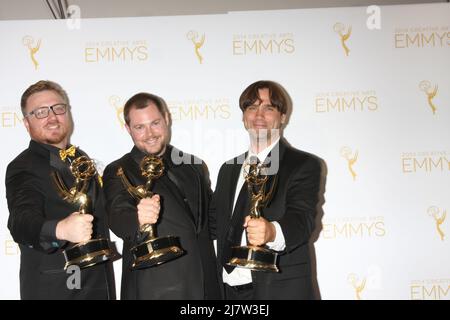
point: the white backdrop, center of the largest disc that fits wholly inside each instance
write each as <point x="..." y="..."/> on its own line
<point x="373" y="103"/>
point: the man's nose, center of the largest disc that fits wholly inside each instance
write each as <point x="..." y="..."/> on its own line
<point x="259" y="111"/>
<point x="51" y="115"/>
<point x="148" y="131"/>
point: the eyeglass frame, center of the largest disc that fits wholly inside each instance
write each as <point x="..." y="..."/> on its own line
<point x="33" y="112"/>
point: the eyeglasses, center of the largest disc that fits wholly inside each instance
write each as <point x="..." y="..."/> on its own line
<point x="43" y="112"/>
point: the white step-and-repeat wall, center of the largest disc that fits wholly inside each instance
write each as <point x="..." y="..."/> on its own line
<point x="371" y="93"/>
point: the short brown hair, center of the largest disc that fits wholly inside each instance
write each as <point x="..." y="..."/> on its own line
<point x="141" y="101"/>
<point x="277" y="95"/>
<point x="43" y="85"/>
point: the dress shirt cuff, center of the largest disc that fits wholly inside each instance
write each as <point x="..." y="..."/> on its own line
<point x="279" y="244"/>
<point x="48" y="240"/>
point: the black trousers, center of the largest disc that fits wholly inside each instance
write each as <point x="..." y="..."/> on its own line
<point x="242" y="292"/>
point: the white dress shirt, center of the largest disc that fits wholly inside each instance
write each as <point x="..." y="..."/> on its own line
<point x="240" y="276"/>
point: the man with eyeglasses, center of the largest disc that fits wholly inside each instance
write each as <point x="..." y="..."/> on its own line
<point x="289" y="198"/>
<point x="40" y="220"/>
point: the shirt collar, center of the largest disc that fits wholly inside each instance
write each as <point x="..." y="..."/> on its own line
<point x="262" y="155"/>
<point x="138" y="155"/>
<point x="49" y="147"/>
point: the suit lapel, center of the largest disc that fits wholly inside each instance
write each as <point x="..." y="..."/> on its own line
<point x="234" y="177"/>
<point x="184" y="177"/>
<point x="54" y="160"/>
<point x="273" y="161"/>
<point x="174" y="186"/>
<point x="93" y="186"/>
<point x="170" y="181"/>
<point x="58" y="166"/>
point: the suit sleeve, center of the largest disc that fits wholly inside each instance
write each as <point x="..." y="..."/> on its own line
<point x="301" y="204"/>
<point x="212" y="212"/>
<point x="101" y="229"/>
<point x="120" y="206"/>
<point x="208" y="194"/>
<point x="26" y="204"/>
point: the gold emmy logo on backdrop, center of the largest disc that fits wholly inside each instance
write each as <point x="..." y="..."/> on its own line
<point x="151" y="250"/>
<point x="112" y="51"/>
<point x="9" y="118"/>
<point x="439" y="218"/>
<point x="196" y="109"/>
<point x="346" y="153"/>
<point x="357" y="285"/>
<point x="425" y="161"/>
<point x="346" y="101"/>
<point x="193" y="36"/>
<point x="339" y="28"/>
<point x="263" y="43"/>
<point x="256" y="258"/>
<point x="424" y="36"/>
<point x="116" y="102"/>
<point x="94" y="251"/>
<point x="425" y="86"/>
<point x="28" y="41"/>
<point x="354" y="227"/>
<point x="430" y="289"/>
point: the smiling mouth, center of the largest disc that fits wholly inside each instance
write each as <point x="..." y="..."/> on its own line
<point x="259" y="126"/>
<point x="152" y="141"/>
<point x="52" y="127"/>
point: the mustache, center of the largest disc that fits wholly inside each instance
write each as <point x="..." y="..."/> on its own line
<point x="149" y="139"/>
<point x="52" y="123"/>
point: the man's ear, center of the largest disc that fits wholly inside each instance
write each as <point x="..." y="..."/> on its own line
<point x="167" y="118"/>
<point x="128" y="128"/>
<point x="243" y="120"/>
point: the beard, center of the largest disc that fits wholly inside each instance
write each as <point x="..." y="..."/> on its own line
<point x="56" y="138"/>
<point x="156" y="150"/>
<point x="52" y="137"/>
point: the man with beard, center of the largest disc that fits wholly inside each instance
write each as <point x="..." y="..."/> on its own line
<point x="179" y="207"/>
<point x="40" y="221"/>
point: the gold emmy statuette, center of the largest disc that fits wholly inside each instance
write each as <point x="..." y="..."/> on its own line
<point x="256" y="258"/>
<point x="94" y="251"/>
<point x="152" y="250"/>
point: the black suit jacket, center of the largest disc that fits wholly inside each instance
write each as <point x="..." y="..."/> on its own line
<point x="34" y="205"/>
<point x="191" y="276"/>
<point x="293" y="205"/>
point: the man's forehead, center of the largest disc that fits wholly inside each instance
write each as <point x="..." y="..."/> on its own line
<point x="39" y="99"/>
<point x="143" y="116"/>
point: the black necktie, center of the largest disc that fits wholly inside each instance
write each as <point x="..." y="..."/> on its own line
<point x="241" y="210"/>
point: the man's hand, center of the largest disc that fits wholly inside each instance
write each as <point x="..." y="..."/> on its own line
<point x="148" y="210"/>
<point x="75" y="228"/>
<point x="259" y="231"/>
